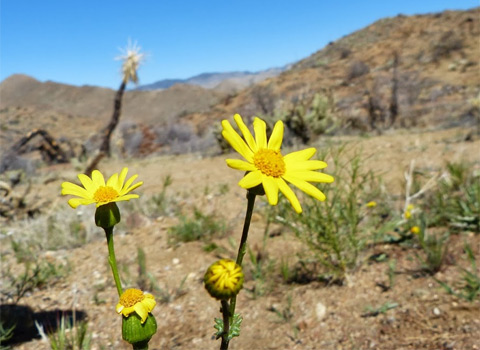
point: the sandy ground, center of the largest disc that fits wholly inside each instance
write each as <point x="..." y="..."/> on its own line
<point x="320" y="316"/>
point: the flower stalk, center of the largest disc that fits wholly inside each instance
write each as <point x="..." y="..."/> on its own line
<point x="243" y="245"/>
<point x="112" y="260"/>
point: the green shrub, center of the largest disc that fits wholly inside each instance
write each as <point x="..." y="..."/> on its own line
<point x="469" y="287"/>
<point x="456" y="201"/>
<point x="337" y="230"/>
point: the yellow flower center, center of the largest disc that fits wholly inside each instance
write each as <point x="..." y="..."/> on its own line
<point x="105" y="194"/>
<point x="130" y="297"/>
<point x="269" y="162"/>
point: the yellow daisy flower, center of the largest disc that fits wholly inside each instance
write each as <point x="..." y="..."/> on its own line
<point x="95" y="190"/>
<point x="371" y="204"/>
<point x="266" y="165"/>
<point x="134" y="300"/>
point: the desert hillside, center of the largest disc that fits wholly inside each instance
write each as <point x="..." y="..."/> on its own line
<point x="407" y="71"/>
<point x="402" y="71"/>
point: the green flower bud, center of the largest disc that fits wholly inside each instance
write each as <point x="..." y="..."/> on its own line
<point x="107" y="215"/>
<point x="137" y="333"/>
<point x="224" y="279"/>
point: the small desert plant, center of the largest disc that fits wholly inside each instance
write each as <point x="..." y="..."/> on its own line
<point x="434" y="248"/>
<point x="469" y="287"/>
<point x="37" y="272"/>
<point x="357" y="69"/>
<point x="199" y="227"/>
<point x="285" y="314"/>
<point x="456" y="201"/>
<point x="261" y="269"/>
<point x="70" y="336"/>
<point x="382" y="309"/>
<point x="5" y="335"/>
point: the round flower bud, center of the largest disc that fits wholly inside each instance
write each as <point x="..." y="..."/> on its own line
<point x="224" y="279"/>
<point x="136" y="332"/>
<point x="107" y="215"/>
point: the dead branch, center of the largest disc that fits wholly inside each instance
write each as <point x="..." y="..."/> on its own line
<point x="49" y="148"/>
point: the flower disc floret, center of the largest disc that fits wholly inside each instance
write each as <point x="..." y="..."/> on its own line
<point x="95" y="190"/>
<point x="269" y="162"/>
<point x="134" y="300"/>
<point x="224" y="279"/>
<point x="265" y="165"/>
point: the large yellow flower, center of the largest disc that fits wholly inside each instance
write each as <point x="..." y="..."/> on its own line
<point x="134" y="300"/>
<point x="95" y="190"/>
<point x="266" y="165"/>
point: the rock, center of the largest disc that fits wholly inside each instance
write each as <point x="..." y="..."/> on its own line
<point x="320" y="311"/>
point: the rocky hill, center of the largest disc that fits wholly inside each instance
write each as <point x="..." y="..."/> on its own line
<point x="226" y="82"/>
<point x="416" y="71"/>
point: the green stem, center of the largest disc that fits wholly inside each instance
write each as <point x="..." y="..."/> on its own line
<point x="226" y="325"/>
<point x="140" y="345"/>
<point x="246" y="226"/>
<point x="112" y="260"/>
<point x="241" y="253"/>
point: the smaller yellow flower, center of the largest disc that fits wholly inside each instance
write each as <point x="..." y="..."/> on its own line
<point x="95" y="190"/>
<point x="415" y="230"/>
<point x="224" y="279"/>
<point x="371" y="204"/>
<point x="408" y="214"/>
<point x="134" y="300"/>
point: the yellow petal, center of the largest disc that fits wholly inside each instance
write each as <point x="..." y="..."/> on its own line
<point x="240" y="165"/>
<point x="125" y="197"/>
<point x="75" y="202"/>
<point x="250" y="180"/>
<point x="236" y="141"/>
<point x="141" y="311"/>
<point x="271" y="189"/>
<point x="87" y="183"/>
<point x="122" y="177"/>
<point x="306" y="187"/>
<point x="113" y="182"/>
<point x="75" y="190"/>
<point x="97" y="178"/>
<point x="125" y="190"/>
<point x="305" y="154"/>
<point x="247" y="135"/>
<point x="304" y="165"/>
<point x="276" y="138"/>
<point x="288" y="192"/>
<point x="260" y="132"/>
<point x="149" y="302"/>
<point x="119" y="308"/>
<point x="311" y="176"/>
<point x="127" y="311"/>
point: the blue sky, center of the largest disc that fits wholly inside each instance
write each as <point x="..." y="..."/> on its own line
<point x="75" y="42"/>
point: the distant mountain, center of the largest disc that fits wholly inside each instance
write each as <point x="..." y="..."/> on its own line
<point x="226" y="81"/>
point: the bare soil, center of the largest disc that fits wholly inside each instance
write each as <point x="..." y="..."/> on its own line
<point x="425" y="318"/>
